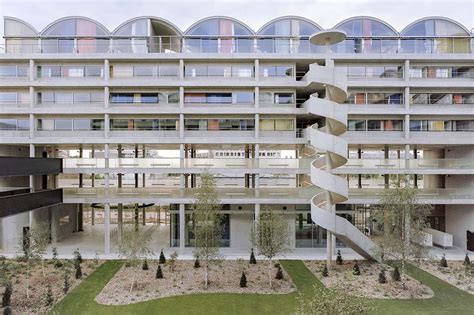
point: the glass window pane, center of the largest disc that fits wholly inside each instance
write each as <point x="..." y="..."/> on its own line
<point x="8" y="71"/>
<point x="63" y="97"/>
<point x="97" y="97"/>
<point x="8" y="97"/>
<point x="149" y="98"/>
<point x="63" y="124"/>
<point x="82" y="124"/>
<point x="7" y="124"/>
<point x="267" y="124"/>
<point x="82" y="97"/>
<point x="168" y="71"/>
<point x="94" y="71"/>
<point x="243" y="97"/>
<point x="173" y="98"/>
<point x="284" y="98"/>
<point x="283" y="124"/>
<point x="143" y="71"/>
<point x="23" y="124"/>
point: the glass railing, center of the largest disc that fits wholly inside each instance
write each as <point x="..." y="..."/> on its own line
<point x="276" y="163"/>
<point x="301" y="194"/>
<point x="412" y="163"/>
<point x="234" y="44"/>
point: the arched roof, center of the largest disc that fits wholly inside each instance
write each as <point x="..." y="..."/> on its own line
<point x="219" y="25"/>
<point x="75" y="26"/>
<point x="164" y="22"/>
<point x="361" y="26"/>
<point x="295" y="26"/>
<point x="18" y="27"/>
<point x="435" y="26"/>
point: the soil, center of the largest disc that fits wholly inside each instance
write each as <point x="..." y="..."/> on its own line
<point x="367" y="283"/>
<point x="15" y="271"/>
<point x="185" y="279"/>
<point x="455" y="274"/>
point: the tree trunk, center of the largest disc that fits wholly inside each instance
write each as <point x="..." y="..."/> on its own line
<point x="133" y="282"/>
<point x="27" y="281"/>
<point x="42" y="265"/>
<point x="205" y="276"/>
<point x="270" y="272"/>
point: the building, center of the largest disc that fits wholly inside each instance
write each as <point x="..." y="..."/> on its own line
<point x="308" y="122"/>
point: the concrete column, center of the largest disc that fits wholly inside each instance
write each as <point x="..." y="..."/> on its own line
<point x="93" y="175"/>
<point x="181" y="164"/>
<point x="406" y="70"/>
<point x="106" y="70"/>
<point x="257" y="126"/>
<point x="407" y="127"/>
<point x="32" y="70"/>
<point x="106" y="228"/>
<point x="331" y="208"/>
<point x="257" y="212"/>
<point x="32" y="97"/>
<point x="106" y="126"/>
<point x="119" y="221"/>
<point x="181" y="69"/>
<point x="106" y="97"/>
<point x="143" y="156"/>
<point x="257" y="70"/>
<point x="181" y="126"/>
<point x="406" y="98"/>
<point x="257" y="97"/>
<point x="182" y="226"/>
<point x="32" y="126"/>
<point x="257" y="165"/>
<point x="386" y="176"/>
<point x="32" y="177"/>
<point x="181" y="97"/>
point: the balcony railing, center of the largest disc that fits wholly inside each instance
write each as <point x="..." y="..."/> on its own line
<point x="412" y="163"/>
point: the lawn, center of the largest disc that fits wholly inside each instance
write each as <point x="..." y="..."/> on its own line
<point x="447" y="300"/>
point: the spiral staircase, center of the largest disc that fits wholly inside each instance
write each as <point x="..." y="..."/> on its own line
<point x="330" y="151"/>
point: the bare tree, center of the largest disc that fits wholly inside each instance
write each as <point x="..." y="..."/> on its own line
<point x="402" y="218"/>
<point x="134" y="247"/>
<point x="208" y="228"/>
<point x="271" y="236"/>
<point x="40" y="237"/>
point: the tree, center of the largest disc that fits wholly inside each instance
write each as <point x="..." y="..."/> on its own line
<point x="77" y="266"/>
<point x="159" y="273"/>
<point x="78" y="256"/>
<point x="443" y="262"/>
<point x="356" y="269"/>
<point x="208" y="228"/>
<point x="34" y="245"/>
<point x="7" y="294"/>
<point x="134" y="247"/>
<point x="271" y="235"/>
<point x="49" y="299"/>
<point x="466" y="261"/>
<point x="56" y="262"/>
<point x="253" y="261"/>
<point x="162" y="259"/>
<point x="331" y="301"/>
<point x="339" y="258"/>
<point x="40" y="236"/>
<point x="66" y="284"/>
<point x="402" y="218"/>
<point x="382" y="277"/>
<point x="145" y="265"/>
<point x="172" y="261"/>
<point x="197" y="264"/>
<point x="396" y="274"/>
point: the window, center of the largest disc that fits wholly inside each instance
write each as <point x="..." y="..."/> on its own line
<point x="149" y="98"/>
<point x="122" y="71"/>
<point x="142" y="71"/>
<point x="276" y="71"/>
<point x="243" y="97"/>
<point x="8" y="97"/>
<point x="23" y="124"/>
<point x="284" y="125"/>
<point x="356" y="72"/>
<point x="82" y="97"/>
<point x="63" y="124"/>
<point x="97" y="97"/>
<point x="119" y="124"/>
<point x="72" y="71"/>
<point x="8" y="71"/>
<point x="168" y="71"/>
<point x="8" y="124"/>
<point x="45" y="124"/>
<point x="374" y="125"/>
<point x="284" y="98"/>
<point x="267" y="124"/>
<point x="49" y="71"/>
<point x="63" y="97"/>
<point x="121" y="98"/>
<point x="242" y="71"/>
<point x="173" y="98"/>
<point x="266" y="97"/>
<point x="356" y="125"/>
<point x="94" y="71"/>
<point x="82" y="124"/>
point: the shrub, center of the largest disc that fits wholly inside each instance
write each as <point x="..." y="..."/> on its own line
<point x="253" y="261"/>
<point x="197" y="264"/>
<point x="277" y="265"/>
<point x="396" y="274"/>
<point x="382" y="278"/>
<point x="279" y="274"/>
<point x="145" y="265"/>
<point x="325" y="272"/>
<point x="159" y="273"/>
<point x="443" y="262"/>
<point x="339" y="258"/>
<point x="467" y="261"/>
<point x="356" y="269"/>
<point x="162" y="257"/>
<point x="78" y="274"/>
<point x="56" y="262"/>
<point x="7" y="310"/>
<point x="77" y="256"/>
<point x="172" y="261"/>
<point x="7" y="294"/>
<point x="66" y="284"/>
<point x="243" y="280"/>
<point x="49" y="299"/>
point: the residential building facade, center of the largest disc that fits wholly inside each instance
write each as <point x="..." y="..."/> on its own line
<point x="292" y="118"/>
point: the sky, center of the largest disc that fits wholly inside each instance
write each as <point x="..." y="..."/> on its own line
<point x="255" y="13"/>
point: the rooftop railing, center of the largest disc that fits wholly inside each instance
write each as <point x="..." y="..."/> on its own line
<point x="234" y="44"/>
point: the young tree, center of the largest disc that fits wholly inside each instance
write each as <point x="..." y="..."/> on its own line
<point x="159" y="273"/>
<point x="34" y="246"/>
<point x="172" y="261"/>
<point x="66" y="284"/>
<point x="382" y="277"/>
<point x="339" y="260"/>
<point x="56" y="262"/>
<point x="134" y="247"/>
<point x="253" y="261"/>
<point x="197" y="264"/>
<point x="208" y="228"/>
<point x="40" y="237"/>
<point x="402" y="218"/>
<point x="271" y="235"/>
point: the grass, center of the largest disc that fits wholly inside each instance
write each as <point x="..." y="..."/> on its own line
<point x="447" y="300"/>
